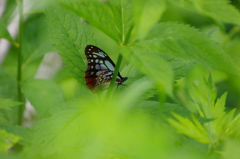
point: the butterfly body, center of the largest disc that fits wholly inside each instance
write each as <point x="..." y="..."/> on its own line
<point x="100" y="70"/>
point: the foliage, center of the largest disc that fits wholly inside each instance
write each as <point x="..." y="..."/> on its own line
<point x="175" y="104"/>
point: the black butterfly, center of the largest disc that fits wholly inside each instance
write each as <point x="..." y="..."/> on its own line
<point x="100" y="70"/>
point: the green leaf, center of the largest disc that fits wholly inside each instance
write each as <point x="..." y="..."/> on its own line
<point x="6" y="107"/>
<point x="70" y="36"/>
<point x="180" y="66"/>
<point x="79" y="127"/>
<point x="152" y="65"/>
<point x="98" y="14"/>
<point x="177" y="40"/>
<point x="132" y="93"/>
<point x="7" y="104"/>
<point x="143" y="10"/>
<point x="66" y="127"/>
<point x="38" y="43"/>
<point x="190" y="128"/>
<point x="217" y="10"/>
<point x="43" y="95"/>
<point x="7" y="140"/>
<point x="5" y="34"/>
<point x="218" y="109"/>
<point x="23" y="132"/>
<point x="8" y="90"/>
<point x="122" y="16"/>
<point x="231" y="149"/>
<point x="233" y="127"/>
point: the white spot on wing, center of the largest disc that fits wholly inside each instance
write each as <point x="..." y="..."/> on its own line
<point x="99" y="54"/>
<point x="97" y="67"/>
<point x="109" y="65"/>
<point x="103" y="67"/>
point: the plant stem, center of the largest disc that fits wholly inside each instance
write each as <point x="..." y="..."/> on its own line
<point x="19" y="75"/>
<point x="110" y="89"/>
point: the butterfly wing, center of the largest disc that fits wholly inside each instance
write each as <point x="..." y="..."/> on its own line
<point x="100" y="69"/>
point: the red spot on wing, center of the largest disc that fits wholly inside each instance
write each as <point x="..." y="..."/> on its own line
<point x="90" y="82"/>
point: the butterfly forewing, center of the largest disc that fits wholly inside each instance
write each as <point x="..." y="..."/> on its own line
<point x="100" y="69"/>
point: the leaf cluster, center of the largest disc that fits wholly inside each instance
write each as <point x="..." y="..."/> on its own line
<point x="150" y="117"/>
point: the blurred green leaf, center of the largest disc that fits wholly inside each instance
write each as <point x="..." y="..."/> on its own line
<point x="8" y="90"/>
<point x="43" y="95"/>
<point x="7" y="140"/>
<point x="180" y="66"/>
<point x="132" y="94"/>
<point x="5" y="107"/>
<point x="79" y="127"/>
<point x="190" y="128"/>
<point x="70" y="36"/>
<point x="23" y="132"/>
<point x="217" y="10"/>
<point x="67" y="127"/>
<point x="122" y="17"/>
<point x="177" y="40"/>
<point x="152" y="65"/>
<point x="5" y="34"/>
<point x="233" y="127"/>
<point x="38" y="43"/>
<point x="231" y="149"/>
<point x="112" y="17"/>
<point x="143" y="10"/>
<point x="8" y="103"/>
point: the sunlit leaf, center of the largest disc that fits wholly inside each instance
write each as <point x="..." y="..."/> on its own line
<point x="23" y="132"/>
<point x="7" y="140"/>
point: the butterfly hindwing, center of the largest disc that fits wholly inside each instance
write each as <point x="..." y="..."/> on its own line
<point x="100" y="69"/>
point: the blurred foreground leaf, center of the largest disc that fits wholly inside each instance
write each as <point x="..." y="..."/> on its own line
<point x="152" y="65"/>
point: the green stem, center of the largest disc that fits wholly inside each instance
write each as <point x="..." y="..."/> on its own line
<point x="19" y="75"/>
<point x="162" y="99"/>
<point x="110" y="89"/>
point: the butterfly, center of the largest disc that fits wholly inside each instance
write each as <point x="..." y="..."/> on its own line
<point x="100" y="70"/>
